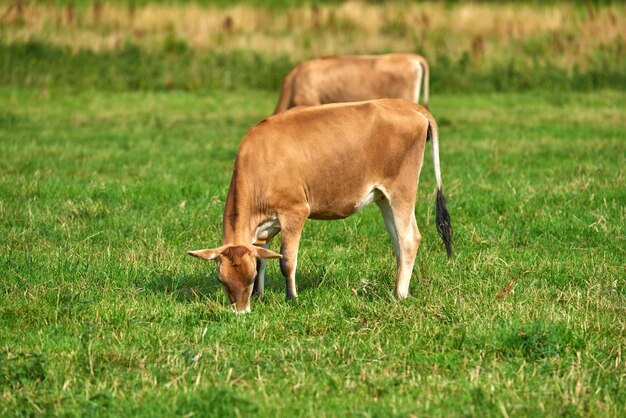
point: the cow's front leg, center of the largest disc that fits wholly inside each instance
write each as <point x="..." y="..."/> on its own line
<point x="259" y="281"/>
<point x="291" y="231"/>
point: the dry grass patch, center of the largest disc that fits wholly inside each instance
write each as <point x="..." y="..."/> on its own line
<point x="570" y="33"/>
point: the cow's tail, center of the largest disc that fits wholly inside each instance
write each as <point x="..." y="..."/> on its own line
<point x="286" y="93"/>
<point x="426" y="78"/>
<point x="444" y="226"/>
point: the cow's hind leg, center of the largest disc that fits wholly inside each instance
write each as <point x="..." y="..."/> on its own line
<point x="291" y="231"/>
<point x="400" y="222"/>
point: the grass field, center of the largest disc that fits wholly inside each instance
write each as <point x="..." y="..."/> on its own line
<point x="103" y="313"/>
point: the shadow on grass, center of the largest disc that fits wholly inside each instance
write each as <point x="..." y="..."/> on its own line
<point x="19" y="369"/>
<point x="372" y="284"/>
<point x="193" y="287"/>
<point x="203" y="286"/>
<point x="537" y="340"/>
<point x="185" y="288"/>
<point x="219" y="402"/>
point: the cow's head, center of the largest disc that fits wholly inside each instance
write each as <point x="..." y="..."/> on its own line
<point x="236" y="269"/>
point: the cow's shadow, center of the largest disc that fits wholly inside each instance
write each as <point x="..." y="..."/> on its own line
<point x="186" y="287"/>
<point x="194" y="287"/>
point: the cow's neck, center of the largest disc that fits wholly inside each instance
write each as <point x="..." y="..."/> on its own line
<point x="240" y="214"/>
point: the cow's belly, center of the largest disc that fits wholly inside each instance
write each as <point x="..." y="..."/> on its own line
<point x="341" y="207"/>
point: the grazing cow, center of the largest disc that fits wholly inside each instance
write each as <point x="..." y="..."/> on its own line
<point x="325" y="162"/>
<point x="355" y="78"/>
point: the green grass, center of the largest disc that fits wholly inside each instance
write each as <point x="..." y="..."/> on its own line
<point x="103" y="313"/>
<point x="177" y="66"/>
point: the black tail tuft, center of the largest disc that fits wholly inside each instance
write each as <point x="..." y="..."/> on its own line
<point x="444" y="226"/>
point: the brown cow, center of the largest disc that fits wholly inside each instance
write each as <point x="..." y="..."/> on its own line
<point x="325" y="162"/>
<point x="355" y="78"/>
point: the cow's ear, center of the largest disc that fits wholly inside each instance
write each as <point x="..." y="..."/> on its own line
<point x="265" y="253"/>
<point x="208" y="254"/>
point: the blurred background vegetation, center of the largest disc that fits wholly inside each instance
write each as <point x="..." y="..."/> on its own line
<point x="161" y="45"/>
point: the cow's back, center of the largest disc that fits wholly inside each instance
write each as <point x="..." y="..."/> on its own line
<point x="355" y="78"/>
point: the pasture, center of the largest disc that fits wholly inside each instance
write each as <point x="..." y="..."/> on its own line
<point x="103" y="312"/>
<point x="119" y="124"/>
